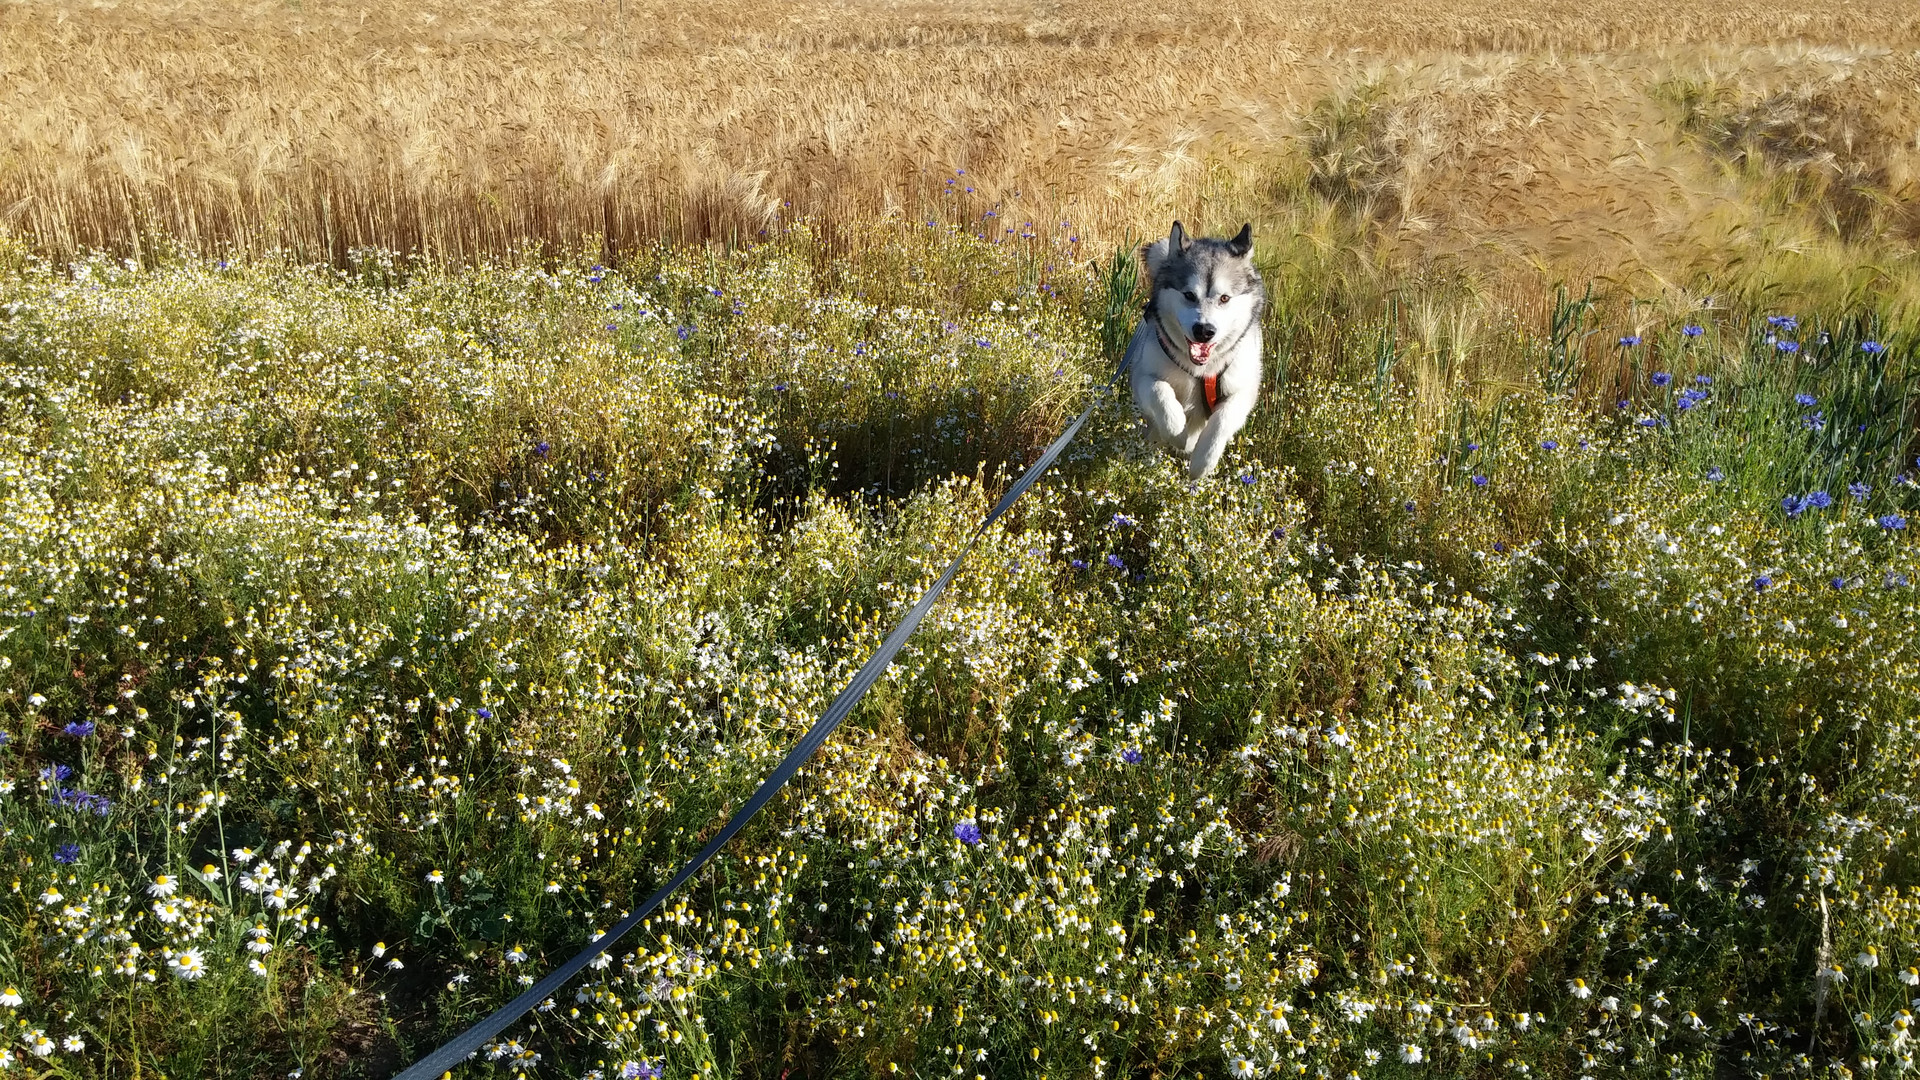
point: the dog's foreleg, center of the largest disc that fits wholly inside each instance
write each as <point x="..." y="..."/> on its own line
<point x="1160" y="405"/>
<point x="1167" y="418"/>
<point x="1220" y="429"/>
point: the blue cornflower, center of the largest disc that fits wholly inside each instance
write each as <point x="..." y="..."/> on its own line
<point x="1630" y="341"/>
<point x="484" y="714"/>
<point x="67" y="854"/>
<point x="56" y="772"/>
<point x="1078" y="564"/>
<point x="1652" y="421"/>
<point x="1891" y="521"/>
<point x="1804" y="399"/>
<point x="79" y="729"/>
<point x="1818" y="500"/>
<point x="1859" y="489"/>
<point x="685" y="332"/>
<point x="1872" y="347"/>
<point x="1116" y="562"/>
<point x="1787" y="346"/>
<point x="542" y="447"/>
<point x="1784" y="322"/>
<point x="81" y="800"/>
<point x="1549" y="444"/>
<point x="1692" y="330"/>
<point x="1247" y="478"/>
<point x="1660" y="378"/>
<point x="1472" y="446"/>
<point x="634" y="1070"/>
<point x="1896" y="580"/>
<point x="1122" y="519"/>
<point x="779" y="388"/>
<point x="1479" y="481"/>
<point x="1703" y="380"/>
<point x="1131" y="755"/>
<point x="1838" y="583"/>
<point x="1760" y="583"/>
<point x="1623" y="404"/>
<point x="1815" y="421"/>
<point x="1794" y="505"/>
<point x="1715" y="474"/>
<point x="1409" y="507"/>
<point x="1279" y="533"/>
<point x="967" y="833"/>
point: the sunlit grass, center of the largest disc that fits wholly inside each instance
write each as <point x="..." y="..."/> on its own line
<point x="373" y="638"/>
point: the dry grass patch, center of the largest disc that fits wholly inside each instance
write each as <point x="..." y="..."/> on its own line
<point x="1534" y="136"/>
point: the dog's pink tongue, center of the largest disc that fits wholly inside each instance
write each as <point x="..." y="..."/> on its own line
<point x="1200" y="351"/>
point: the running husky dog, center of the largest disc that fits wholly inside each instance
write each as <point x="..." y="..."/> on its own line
<point x="1196" y="354"/>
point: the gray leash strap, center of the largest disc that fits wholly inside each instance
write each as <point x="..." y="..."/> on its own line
<point x="469" y="1042"/>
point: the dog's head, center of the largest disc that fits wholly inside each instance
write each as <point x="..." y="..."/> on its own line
<point x="1206" y="292"/>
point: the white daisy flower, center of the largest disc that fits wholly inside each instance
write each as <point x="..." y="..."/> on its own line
<point x="188" y="964"/>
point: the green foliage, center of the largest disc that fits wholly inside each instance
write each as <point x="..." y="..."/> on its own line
<point x="426" y="620"/>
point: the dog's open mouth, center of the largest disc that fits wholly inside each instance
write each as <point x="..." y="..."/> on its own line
<point x="1200" y="351"/>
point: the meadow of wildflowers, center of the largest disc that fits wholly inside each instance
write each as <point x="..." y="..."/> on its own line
<point x="371" y="639"/>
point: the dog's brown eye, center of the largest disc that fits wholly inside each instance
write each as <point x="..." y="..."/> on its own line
<point x="1224" y="298"/>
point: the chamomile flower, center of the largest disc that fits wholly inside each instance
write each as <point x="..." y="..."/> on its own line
<point x="188" y="964"/>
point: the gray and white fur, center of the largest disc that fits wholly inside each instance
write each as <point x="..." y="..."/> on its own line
<point x="1203" y="319"/>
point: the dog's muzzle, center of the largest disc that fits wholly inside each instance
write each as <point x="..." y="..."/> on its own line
<point x="1197" y="351"/>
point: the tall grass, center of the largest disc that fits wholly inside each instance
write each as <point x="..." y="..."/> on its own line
<point x="395" y="627"/>
<point x="1494" y="138"/>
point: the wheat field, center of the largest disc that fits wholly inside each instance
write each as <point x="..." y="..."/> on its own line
<point x="1613" y="139"/>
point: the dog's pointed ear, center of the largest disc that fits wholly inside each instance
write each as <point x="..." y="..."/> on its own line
<point x="1242" y="243"/>
<point x="1152" y="257"/>
<point x="1177" y="239"/>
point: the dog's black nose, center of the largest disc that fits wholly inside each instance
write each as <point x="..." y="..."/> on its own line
<point x="1203" y="331"/>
